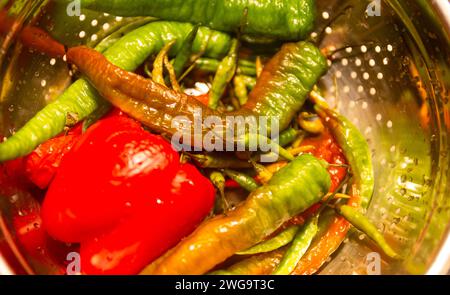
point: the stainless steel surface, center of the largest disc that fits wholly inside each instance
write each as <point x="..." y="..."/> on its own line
<point x="393" y="83"/>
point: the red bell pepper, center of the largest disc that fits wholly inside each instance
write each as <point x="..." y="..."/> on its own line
<point x="122" y="193"/>
<point x="130" y="246"/>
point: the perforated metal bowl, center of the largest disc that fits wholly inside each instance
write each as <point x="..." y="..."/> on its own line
<point x="391" y="79"/>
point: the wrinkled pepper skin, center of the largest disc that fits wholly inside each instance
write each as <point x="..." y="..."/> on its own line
<point x="109" y="167"/>
<point x="285" y="82"/>
<point x="292" y="190"/>
<point x="279" y="94"/>
<point x="282" y="19"/>
<point x="81" y="99"/>
<point x="41" y="165"/>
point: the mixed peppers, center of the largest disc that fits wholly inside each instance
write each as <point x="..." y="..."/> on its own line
<point x="131" y="203"/>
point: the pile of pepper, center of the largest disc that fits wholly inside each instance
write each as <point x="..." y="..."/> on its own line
<point x="125" y="197"/>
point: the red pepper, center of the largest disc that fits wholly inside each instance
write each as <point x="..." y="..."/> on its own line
<point x="130" y="246"/>
<point x="44" y="161"/>
<point x="32" y="37"/>
<point x="122" y="193"/>
<point x="41" y="165"/>
<point x="328" y="150"/>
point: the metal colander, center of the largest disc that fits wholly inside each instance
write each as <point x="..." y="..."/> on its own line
<point x="390" y="75"/>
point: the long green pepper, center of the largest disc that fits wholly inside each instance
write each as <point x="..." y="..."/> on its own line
<point x="185" y="52"/>
<point x="296" y="187"/>
<point x="210" y="65"/>
<point x="82" y="99"/>
<point x="288" y="136"/>
<point x="219" y="161"/>
<point x="281" y="19"/>
<point x="225" y="73"/>
<point x="245" y="181"/>
<point x="241" y="86"/>
<point x="300" y="245"/>
<point x="355" y="148"/>
<point x="363" y="224"/>
<point x="280" y="240"/>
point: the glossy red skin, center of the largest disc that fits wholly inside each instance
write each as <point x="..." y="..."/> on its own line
<point x="107" y="175"/>
<point x="12" y="177"/>
<point x="136" y="242"/>
<point x="122" y="193"/>
<point x="43" y="163"/>
<point x="327" y="148"/>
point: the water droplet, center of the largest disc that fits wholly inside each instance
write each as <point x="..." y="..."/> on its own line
<point x="11" y="108"/>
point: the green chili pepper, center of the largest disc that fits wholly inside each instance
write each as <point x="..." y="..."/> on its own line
<point x="172" y="74"/>
<point x="274" y="147"/>
<point x="264" y="175"/>
<point x="355" y="147"/>
<point x="299" y="246"/>
<point x="311" y="123"/>
<point x="82" y="99"/>
<point x="302" y="183"/>
<point x="283" y="19"/>
<point x="249" y="81"/>
<point x="224" y="74"/>
<point x="219" y="161"/>
<point x="280" y="240"/>
<point x="218" y="180"/>
<point x="241" y="85"/>
<point x="211" y="65"/>
<point x="259" y="264"/>
<point x="363" y="224"/>
<point x="288" y="136"/>
<point x="158" y="64"/>
<point x="185" y="52"/>
<point x="242" y="179"/>
<point x="240" y="89"/>
<point x="299" y="63"/>
<point x="155" y="106"/>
